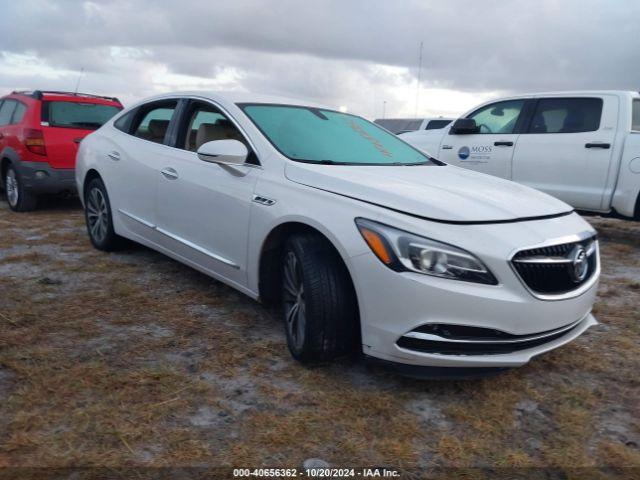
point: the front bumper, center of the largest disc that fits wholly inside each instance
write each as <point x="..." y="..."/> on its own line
<point x="393" y="304"/>
<point x="41" y="178"/>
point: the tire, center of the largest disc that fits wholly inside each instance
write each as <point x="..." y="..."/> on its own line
<point x="98" y="217"/>
<point x="319" y="303"/>
<point x="18" y="198"/>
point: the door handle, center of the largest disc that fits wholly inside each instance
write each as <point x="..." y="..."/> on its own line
<point x="169" y="173"/>
<point x="447" y="147"/>
<point x="598" y="145"/>
<point x="114" y="155"/>
<point x="503" y="144"/>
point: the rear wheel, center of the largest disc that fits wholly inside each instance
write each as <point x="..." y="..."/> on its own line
<point x="18" y="198"/>
<point x="97" y="212"/>
<point x="319" y="302"/>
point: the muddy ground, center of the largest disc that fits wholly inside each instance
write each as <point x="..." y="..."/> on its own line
<point x="131" y="358"/>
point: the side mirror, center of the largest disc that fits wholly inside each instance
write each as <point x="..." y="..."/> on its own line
<point x="464" y="126"/>
<point x="225" y="152"/>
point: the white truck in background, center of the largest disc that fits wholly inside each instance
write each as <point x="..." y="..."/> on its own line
<point x="582" y="147"/>
<point x="404" y="125"/>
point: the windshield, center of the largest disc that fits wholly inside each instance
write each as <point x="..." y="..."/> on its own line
<point x="77" y="115"/>
<point x="315" y="135"/>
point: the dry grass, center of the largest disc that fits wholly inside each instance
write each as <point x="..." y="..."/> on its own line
<point x="131" y="359"/>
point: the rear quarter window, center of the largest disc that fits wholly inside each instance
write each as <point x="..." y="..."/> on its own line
<point x="6" y="111"/>
<point x="18" y="113"/>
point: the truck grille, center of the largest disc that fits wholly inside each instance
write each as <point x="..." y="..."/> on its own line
<point x="557" y="269"/>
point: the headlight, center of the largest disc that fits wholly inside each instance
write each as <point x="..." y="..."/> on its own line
<point x="403" y="251"/>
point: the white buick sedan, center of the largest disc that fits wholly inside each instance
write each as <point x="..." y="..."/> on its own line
<point x="365" y="242"/>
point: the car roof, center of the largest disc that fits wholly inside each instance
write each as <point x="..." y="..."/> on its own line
<point x="38" y="95"/>
<point x="567" y="93"/>
<point x="239" y="97"/>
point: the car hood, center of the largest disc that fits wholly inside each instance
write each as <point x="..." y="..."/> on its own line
<point x="441" y="193"/>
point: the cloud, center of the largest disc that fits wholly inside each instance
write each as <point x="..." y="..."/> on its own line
<point x="356" y="54"/>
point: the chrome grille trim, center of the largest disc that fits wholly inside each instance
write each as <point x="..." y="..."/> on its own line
<point x="592" y="249"/>
<point x="520" y="339"/>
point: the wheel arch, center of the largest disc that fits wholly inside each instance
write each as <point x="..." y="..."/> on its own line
<point x="90" y="175"/>
<point x="7" y="157"/>
<point x="269" y="271"/>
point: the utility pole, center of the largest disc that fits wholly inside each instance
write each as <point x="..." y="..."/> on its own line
<point x="384" y="109"/>
<point x="419" y="79"/>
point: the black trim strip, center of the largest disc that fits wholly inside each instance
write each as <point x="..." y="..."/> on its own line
<point x="449" y="222"/>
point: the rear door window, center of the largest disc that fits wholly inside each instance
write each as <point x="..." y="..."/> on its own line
<point x="566" y="115"/>
<point x="153" y="121"/>
<point x="6" y="111"/>
<point x="88" y="116"/>
<point x="635" y="120"/>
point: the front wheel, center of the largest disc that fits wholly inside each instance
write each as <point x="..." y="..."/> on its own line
<point x="319" y="302"/>
<point x="99" y="219"/>
<point x="18" y="198"/>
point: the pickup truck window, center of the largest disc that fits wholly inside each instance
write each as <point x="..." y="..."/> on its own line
<point x="318" y="135"/>
<point x="499" y="117"/>
<point x="566" y="115"/>
<point x="635" y="121"/>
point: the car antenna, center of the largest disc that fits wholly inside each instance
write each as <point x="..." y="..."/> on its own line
<point x="78" y="82"/>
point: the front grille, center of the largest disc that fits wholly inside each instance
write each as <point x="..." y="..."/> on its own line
<point x="552" y="270"/>
<point x="463" y="340"/>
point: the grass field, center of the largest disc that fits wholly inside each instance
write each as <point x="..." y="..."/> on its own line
<point x="130" y="359"/>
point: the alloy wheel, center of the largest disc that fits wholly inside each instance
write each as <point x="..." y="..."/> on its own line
<point x="294" y="302"/>
<point x="97" y="215"/>
<point x="11" y="185"/>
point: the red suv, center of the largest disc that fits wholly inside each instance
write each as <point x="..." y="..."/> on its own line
<point x="39" y="136"/>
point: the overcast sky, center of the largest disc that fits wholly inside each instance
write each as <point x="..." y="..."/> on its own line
<point x="352" y="54"/>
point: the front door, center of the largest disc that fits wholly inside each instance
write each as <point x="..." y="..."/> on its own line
<point x="566" y="150"/>
<point x="490" y="150"/>
<point x="203" y="208"/>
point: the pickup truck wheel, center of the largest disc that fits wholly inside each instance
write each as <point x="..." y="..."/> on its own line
<point x="18" y="198"/>
<point x="99" y="219"/>
<point x="319" y="302"/>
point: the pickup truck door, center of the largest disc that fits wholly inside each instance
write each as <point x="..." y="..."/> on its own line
<point x="490" y="150"/>
<point x="566" y="148"/>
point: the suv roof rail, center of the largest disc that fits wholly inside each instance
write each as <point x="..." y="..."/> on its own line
<point x="37" y="94"/>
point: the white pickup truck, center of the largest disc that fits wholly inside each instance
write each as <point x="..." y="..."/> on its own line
<point x="581" y="147"/>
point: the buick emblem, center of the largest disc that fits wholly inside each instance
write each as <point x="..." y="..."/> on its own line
<point x="579" y="266"/>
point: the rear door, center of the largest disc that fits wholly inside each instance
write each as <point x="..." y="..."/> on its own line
<point x="490" y="150"/>
<point x="566" y="150"/>
<point x="133" y="160"/>
<point x="66" y="122"/>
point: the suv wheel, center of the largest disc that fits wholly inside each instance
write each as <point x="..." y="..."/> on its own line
<point x="19" y="199"/>
<point x="98" y="217"/>
<point x="319" y="302"/>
